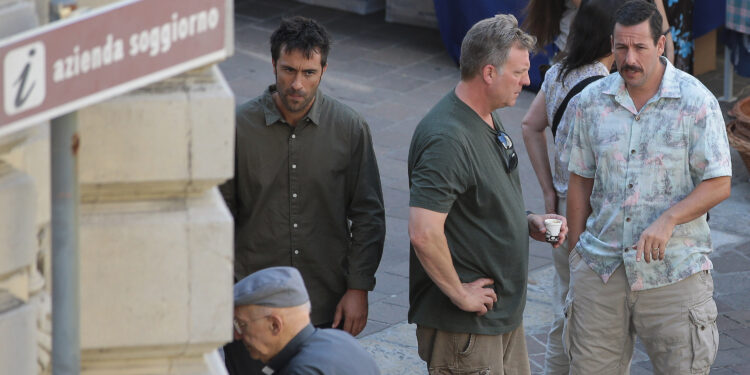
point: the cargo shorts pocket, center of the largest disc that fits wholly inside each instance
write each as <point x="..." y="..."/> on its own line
<point x="704" y="335"/>
<point x="467" y="348"/>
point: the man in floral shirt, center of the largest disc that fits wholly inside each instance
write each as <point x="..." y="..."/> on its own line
<point x="649" y="158"/>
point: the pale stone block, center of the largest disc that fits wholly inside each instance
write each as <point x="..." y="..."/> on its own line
<point x="212" y="270"/>
<point x="134" y="280"/>
<point x="32" y="156"/>
<point x="17" y="247"/>
<point x="192" y="363"/>
<point x="156" y="274"/>
<point x="17" y="16"/>
<point x="213" y="130"/>
<point x="167" y="140"/>
<point x="17" y="345"/>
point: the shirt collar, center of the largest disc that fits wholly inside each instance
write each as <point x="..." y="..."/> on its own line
<point x="291" y="349"/>
<point x="273" y="115"/>
<point x="669" y="87"/>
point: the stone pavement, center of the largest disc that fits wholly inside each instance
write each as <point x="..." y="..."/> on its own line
<point x="393" y="74"/>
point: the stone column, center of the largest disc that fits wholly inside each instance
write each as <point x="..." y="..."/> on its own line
<point x="156" y="237"/>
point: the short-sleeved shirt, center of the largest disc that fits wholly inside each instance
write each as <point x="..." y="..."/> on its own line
<point x="307" y="196"/>
<point x="555" y="88"/>
<point x="455" y="167"/>
<point x="315" y="351"/>
<point x="644" y="162"/>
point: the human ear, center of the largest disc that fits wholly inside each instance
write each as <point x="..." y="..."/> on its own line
<point x="277" y="324"/>
<point x="488" y="73"/>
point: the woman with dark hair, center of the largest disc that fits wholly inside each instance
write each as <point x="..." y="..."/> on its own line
<point x="588" y="54"/>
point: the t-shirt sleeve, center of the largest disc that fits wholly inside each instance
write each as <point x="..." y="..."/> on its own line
<point x="709" y="149"/>
<point x="581" y="153"/>
<point x="440" y="173"/>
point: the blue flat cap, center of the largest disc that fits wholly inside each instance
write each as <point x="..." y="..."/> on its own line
<point x="272" y="287"/>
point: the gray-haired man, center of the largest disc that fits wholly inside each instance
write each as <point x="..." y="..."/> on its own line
<point x="468" y="229"/>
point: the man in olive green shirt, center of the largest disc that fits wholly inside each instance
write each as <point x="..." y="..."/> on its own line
<point x="468" y="228"/>
<point x="306" y="191"/>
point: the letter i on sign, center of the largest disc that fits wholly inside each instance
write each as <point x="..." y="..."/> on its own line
<point x="24" y="80"/>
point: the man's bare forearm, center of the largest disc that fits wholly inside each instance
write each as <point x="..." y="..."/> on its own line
<point x="579" y="206"/>
<point x="706" y="195"/>
<point x="431" y="247"/>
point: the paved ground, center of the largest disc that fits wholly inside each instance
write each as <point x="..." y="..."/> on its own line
<point x="393" y="74"/>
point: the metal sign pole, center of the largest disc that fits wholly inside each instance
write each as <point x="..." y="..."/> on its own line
<point x="66" y="347"/>
<point x="66" y="341"/>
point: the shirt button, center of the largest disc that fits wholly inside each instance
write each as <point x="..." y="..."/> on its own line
<point x="295" y="225"/>
<point x="627" y="219"/>
<point x="294" y="136"/>
<point x="294" y="166"/>
<point x="632" y="152"/>
<point x="294" y="195"/>
<point x="296" y="252"/>
<point x="637" y="118"/>
<point x="630" y="186"/>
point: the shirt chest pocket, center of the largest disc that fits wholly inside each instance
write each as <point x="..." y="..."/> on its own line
<point x="677" y="131"/>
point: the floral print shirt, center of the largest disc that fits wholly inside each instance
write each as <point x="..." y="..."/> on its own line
<point x="643" y="162"/>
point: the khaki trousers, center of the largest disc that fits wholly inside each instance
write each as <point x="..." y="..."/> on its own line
<point x="555" y="358"/>
<point x="676" y="323"/>
<point x="450" y="353"/>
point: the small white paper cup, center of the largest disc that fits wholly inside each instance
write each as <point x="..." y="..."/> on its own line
<point x="553" y="227"/>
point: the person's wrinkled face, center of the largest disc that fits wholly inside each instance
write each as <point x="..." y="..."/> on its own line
<point x="297" y="79"/>
<point x="253" y="328"/>
<point x="636" y="54"/>
<point x="514" y="75"/>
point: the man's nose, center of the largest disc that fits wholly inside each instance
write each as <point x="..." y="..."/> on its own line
<point x="630" y="57"/>
<point x="525" y="81"/>
<point x="297" y="82"/>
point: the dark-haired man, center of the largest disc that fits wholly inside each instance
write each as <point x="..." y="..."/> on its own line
<point x="649" y="157"/>
<point x="306" y="191"/>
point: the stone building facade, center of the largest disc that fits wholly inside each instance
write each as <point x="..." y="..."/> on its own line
<point x="155" y="237"/>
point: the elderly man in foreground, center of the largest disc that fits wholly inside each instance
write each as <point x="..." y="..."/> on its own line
<point x="272" y="319"/>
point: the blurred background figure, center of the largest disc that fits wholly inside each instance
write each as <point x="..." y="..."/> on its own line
<point x="549" y="21"/>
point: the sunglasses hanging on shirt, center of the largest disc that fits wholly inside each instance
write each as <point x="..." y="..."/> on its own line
<point x="508" y="154"/>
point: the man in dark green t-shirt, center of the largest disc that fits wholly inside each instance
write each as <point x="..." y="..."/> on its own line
<point x="468" y="228"/>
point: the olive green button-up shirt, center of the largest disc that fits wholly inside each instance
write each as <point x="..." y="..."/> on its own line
<point x="308" y="197"/>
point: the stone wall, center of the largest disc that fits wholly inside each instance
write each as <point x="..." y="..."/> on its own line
<point x="155" y="236"/>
